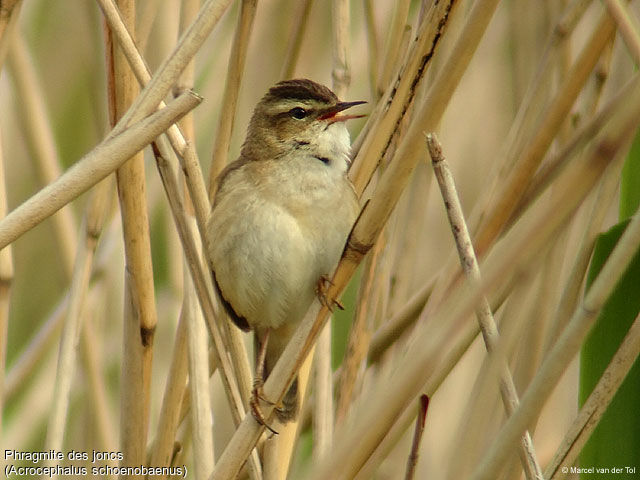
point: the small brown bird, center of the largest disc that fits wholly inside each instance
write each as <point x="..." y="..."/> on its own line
<point x="281" y="216"/>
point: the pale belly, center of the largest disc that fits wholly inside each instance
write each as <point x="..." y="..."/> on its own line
<point x="268" y="262"/>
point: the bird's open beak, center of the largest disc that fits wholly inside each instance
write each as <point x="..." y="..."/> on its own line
<point x="331" y="114"/>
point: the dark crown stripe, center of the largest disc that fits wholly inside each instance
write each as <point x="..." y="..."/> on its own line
<point x="301" y="90"/>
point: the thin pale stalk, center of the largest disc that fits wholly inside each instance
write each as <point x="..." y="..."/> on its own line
<point x="172" y="399"/>
<point x="627" y="26"/>
<point x="508" y="195"/>
<point x="341" y="71"/>
<point x="618" y="133"/>
<point x="201" y="415"/>
<point x="67" y="353"/>
<point x="202" y="282"/>
<point x="483" y="310"/>
<point x="90" y="169"/>
<point x="538" y="87"/>
<point x="42" y="143"/>
<point x="72" y="326"/>
<point x="323" y="391"/>
<point x="392" y="52"/>
<point x="36" y="349"/>
<point x="187" y="12"/>
<point x="597" y="403"/>
<point x="33" y="413"/>
<point x="298" y="27"/>
<point x="581" y="138"/>
<point x="235" y="71"/>
<point x="573" y="285"/>
<point x="186" y="399"/>
<point x="97" y="388"/>
<point x="372" y="46"/>
<point x="359" y="335"/>
<point x="8" y="19"/>
<point x="6" y="279"/>
<point x="394" y="327"/>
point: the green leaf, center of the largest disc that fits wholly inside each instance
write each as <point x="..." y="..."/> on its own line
<point x="630" y="181"/>
<point x="616" y="440"/>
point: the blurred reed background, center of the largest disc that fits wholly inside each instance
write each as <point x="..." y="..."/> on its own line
<point x="54" y="108"/>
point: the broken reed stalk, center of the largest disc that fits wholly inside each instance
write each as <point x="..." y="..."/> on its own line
<point x="484" y="314"/>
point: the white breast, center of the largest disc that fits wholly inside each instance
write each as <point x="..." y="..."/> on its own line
<point x="271" y="241"/>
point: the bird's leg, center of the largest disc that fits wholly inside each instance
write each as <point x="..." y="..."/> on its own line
<point x="258" y="383"/>
<point x="321" y="291"/>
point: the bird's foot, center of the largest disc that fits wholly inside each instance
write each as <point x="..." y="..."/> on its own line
<point x="257" y="395"/>
<point x="322" y="287"/>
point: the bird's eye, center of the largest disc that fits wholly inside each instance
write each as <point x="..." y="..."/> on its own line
<point x="298" y="113"/>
